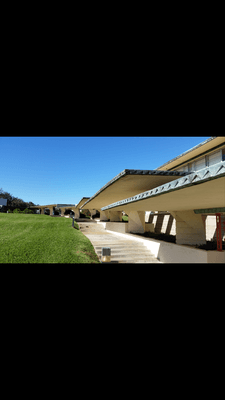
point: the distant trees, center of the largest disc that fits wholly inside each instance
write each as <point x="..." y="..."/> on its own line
<point x="14" y="201"/>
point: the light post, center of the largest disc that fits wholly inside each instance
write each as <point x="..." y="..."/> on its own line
<point x="106" y="255"/>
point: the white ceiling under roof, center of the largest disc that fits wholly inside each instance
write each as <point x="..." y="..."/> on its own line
<point x="129" y="183"/>
<point x="209" y="194"/>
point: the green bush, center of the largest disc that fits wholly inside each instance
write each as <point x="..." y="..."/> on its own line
<point x="17" y="211"/>
<point x="210" y="245"/>
<point x="159" y="236"/>
<point x="27" y="211"/>
<point x="10" y="211"/>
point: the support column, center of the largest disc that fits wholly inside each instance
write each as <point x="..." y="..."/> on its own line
<point x="147" y="215"/>
<point x="136" y="221"/>
<point x="104" y="215"/>
<point x="50" y="210"/>
<point x="76" y="213"/>
<point x="92" y="212"/>
<point x="115" y="216"/>
<point x="190" y="227"/>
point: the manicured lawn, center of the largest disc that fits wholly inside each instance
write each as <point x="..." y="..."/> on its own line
<point x="43" y="239"/>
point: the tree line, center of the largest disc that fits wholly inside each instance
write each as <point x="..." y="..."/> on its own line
<point x="13" y="201"/>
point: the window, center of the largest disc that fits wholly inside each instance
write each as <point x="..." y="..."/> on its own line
<point x="190" y="167"/>
<point x="223" y="154"/>
<point x="200" y="164"/>
<point x="179" y="169"/>
<point x="215" y="157"/>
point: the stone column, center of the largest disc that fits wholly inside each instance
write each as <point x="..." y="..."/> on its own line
<point x="104" y="215"/>
<point x="50" y="210"/>
<point x="190" y="227"/>
<point x="136" y="221"/>
<point x="147" y="215"/>
<point x="115" y="216"/>
<point x="92" y="212"/>
<point x="76" y="213"/>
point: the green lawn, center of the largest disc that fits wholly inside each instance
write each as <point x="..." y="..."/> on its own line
<point x="27" y="238"/>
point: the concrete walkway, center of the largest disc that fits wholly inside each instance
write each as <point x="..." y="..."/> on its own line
<point x="122" y="250"/>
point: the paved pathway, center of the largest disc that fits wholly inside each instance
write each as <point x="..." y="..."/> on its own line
<point x="122" y="250"/>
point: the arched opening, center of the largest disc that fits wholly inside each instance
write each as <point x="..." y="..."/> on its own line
<point x="68" y="211"/>
<point x="57" y="211"/>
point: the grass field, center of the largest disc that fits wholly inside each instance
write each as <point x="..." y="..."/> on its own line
<point x="31" y="238"/>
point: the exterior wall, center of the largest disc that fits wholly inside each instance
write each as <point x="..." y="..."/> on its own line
<point x="163" y="222"/>
<point x="149" y="227"/>
<point x="190" y="227"/>
<point x="136" y="221"/>
<point x="215" y="256"/>
<point x="115" y="216"/>
<point x="114" y="226"/>
<point x="166" y="223"/>
<point x="210" y="158"/>
<point x="123" y="227"/>
<point x="104" y="215"/>
<point x="211" y="227"/>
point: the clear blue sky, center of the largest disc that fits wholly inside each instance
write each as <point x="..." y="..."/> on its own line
<point x="54" y="170"/>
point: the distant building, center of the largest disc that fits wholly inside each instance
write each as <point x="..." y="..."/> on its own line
<point x="3" y="202"/>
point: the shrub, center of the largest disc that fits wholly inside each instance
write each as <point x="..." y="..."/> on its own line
<point x="10" y="211"/>
<point x="159" y="236"/>
<point x="210" y="245"/>
<point x="27" y="211"/>
<point x="17" y="211"/>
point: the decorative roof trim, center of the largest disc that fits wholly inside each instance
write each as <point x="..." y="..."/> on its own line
<point x="206" y="174"/>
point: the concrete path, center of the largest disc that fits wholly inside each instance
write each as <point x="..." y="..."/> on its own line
<point x="122" y="250"/>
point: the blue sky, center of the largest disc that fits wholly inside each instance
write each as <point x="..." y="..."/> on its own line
<point x="61" y="170"/>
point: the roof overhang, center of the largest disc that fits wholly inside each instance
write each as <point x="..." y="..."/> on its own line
<point x="129" y="183"/>
<point x="199" y="190"/>
<point x="201" y="148"/>
<point x="82" y="201"/>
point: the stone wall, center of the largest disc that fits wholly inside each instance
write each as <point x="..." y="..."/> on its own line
<point x="164" y="222"/>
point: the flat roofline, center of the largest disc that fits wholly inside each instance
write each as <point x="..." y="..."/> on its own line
<point x="187" y="151"/>
<point x="136" y="172"/>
